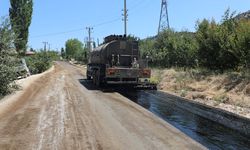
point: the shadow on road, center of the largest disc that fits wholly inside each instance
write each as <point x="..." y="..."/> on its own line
<point x="88" y="84"/>
<point x="107" y="88"/>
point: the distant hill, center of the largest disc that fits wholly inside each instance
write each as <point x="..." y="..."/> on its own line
<point x="245" y="15"/>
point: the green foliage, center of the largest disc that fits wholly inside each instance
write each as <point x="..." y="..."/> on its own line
<point x="208" y="45"/>
<point x="215" y="46"/>
<point x="63" y="53"/>
<point x="243" y="40"/>
<point x="132" y="38"/>
<point x="218" y="43"/>
<point x="147" y="48"/>
<point x="171" y="48"/>
<point x="21" y="14"/>
<point x="81" y="55"/>
<point x="74" y="49"/>
<point x="157" y="77"/>
<point x="8" y="58"/>
<point x="41" y="61"/>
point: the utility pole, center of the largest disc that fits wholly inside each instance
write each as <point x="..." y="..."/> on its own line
<point x="164" y="21"/>
<point x="49" y="46"/>
<point x="125" y="15"/>
<point x="45" y="45"/>
<point x="89" y="41"/>
<point x="98" y="42"/>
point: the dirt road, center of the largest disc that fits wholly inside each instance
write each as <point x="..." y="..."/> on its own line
<point x="58" y="112"/>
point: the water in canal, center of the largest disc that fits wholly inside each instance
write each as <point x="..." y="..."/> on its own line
<point x="208" y="133"/>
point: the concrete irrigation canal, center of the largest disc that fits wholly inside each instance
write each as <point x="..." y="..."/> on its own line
<point x="209" y="133"/>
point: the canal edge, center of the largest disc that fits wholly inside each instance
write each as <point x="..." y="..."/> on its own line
<point x="226" y="118"/>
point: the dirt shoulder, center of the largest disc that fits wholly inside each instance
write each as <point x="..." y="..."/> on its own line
<point x="229" y="91"/>
<point x="8" y="102"/>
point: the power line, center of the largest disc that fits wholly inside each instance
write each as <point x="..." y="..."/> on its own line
<point x="96" y="25"/>
<point x="57" y="33"/>
<point x="137" y="4"/>
<point x="75" y="30"/>
<point x="140" y="2"/>
<point x="107" y="22"/>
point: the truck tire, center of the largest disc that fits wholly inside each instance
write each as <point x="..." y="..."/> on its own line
<point x="94" y="77"/>
<point x="98" y="82"/>
<point x="88" y="77"/>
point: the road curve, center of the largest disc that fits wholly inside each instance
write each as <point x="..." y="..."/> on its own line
<point x="58" y="112"/>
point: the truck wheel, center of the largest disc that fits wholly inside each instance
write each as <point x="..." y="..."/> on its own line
<point x="94" y="77"/>
<point x="97" y="78"/>
<point x="88" y="77"/>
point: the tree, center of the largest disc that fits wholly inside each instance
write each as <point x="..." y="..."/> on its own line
<point x="218" y="43"/>
<point x="20" y="17"/>
<point x="147" y="48"/>
<point x="73" y="48"/>
<point x="131" y="37"/>
<point x="32" y="49"/>
<point x="216" y="46"/>
<point x="229" y="55"/>
<point x="209" y="47"/>
<point x="8" y="58"/>
<point x="243" y="42"/>
<point x="175" y="49"/>
<point x="81" y="55"/>
<point x="94" y="45"/>
<point x="63" y="52"/>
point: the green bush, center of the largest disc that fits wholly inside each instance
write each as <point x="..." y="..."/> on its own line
<point x="171" y="49"/>
<point x="214" y="46"/>
<point x="7" y="73"/>
<point x="219" y="46"/>
<point x="41" y="61"/>
<point x="8" y="58"/>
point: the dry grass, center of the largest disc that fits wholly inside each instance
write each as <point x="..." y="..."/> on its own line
<point x="229" y="88"/>
<point x="157" y="75"/>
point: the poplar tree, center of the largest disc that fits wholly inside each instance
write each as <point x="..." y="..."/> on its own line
<point x="20" y="17"/>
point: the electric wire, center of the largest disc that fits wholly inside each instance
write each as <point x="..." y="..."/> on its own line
<point x="75" y="30"/>
<point x="107" y="22"/>
<point x="96" y="25"/>
<point x="57" y="33"/>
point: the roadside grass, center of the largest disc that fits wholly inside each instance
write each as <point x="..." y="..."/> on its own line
<point x="183" y="93"/>
<point x="230" y="87"/>
<point x="221" y="98"/>
<point x="156" y="76"/>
